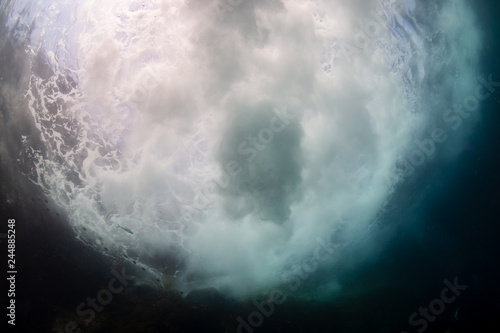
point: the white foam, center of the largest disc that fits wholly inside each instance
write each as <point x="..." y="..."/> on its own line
<point x="166" y="92"/>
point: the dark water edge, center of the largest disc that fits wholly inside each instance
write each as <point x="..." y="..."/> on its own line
<point x="456" y="234"/>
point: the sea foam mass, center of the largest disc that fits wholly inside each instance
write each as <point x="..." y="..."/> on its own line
<point x="241" y="143"/>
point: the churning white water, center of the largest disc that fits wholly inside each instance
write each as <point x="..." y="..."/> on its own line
<point x="234" y="140"/>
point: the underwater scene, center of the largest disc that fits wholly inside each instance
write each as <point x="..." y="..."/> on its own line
<point x="249" y="166"/>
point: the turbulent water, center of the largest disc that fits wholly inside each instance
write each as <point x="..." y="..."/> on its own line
<point x="238" y="142"/>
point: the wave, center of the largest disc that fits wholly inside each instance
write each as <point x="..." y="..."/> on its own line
<point x="233" y="139"/>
